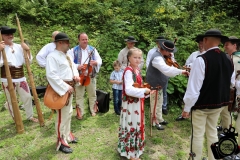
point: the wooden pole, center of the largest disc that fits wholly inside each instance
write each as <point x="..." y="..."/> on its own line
<point x="151" y="120"/>
<point x="16" y="112"/>
<point x="35" y="96"/>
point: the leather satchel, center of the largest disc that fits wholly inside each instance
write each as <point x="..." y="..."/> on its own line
<point x="53" y="100"/>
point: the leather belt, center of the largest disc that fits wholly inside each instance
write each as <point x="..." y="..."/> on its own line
<point x="15" y="72"/>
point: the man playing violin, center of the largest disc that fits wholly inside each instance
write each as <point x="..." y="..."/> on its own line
<point x="87" y="58"/>
<point x="157" y="75"/>
<point x="149" y="55"/>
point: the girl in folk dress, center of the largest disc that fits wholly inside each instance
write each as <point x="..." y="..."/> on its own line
<point x="131" y="129"/>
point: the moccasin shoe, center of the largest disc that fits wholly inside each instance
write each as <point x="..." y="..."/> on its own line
<point x="79" y="117"/>
<point x="180" y="118"/>
<point x="163" y="123"/>
<point x="159" y="127"/>
<point x="65" y="149"/>
<point x="75" y="140"/>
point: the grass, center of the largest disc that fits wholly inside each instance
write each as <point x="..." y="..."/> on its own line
<point x="97" y="138"/>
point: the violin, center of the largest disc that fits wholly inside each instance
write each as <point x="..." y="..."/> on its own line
<point x="85" y="76"/>
<point x="146" y="85"/>
<point x="168" y="59"/>
<point x="170" y="62"/>
<point x="86" y="70"/>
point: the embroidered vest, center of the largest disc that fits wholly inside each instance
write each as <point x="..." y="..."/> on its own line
<point x="136" y="78"/>
<point x="78" y="57"/>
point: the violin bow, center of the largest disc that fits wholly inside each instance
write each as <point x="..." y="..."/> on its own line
<point x="175" y="40"/>
<point x="91" y="52"/>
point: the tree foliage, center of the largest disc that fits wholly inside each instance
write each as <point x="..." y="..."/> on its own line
<point x="108" y="22"/>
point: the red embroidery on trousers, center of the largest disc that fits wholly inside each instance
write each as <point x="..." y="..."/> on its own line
<point x="24" y="86"/>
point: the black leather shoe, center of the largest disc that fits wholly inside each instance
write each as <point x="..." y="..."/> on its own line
<point x="65" y="149"/>
<point x="165" y="111"/>
<point x="159" y="127"/>
<point x="163" y="123"/>
<point x="180" y="118"/>
<point x="232" y="157"/>
<point x="219" y="128"/>
<point x="75" y="140"/>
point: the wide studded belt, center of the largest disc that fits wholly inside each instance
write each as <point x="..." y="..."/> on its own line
<point x="15" y="72"/>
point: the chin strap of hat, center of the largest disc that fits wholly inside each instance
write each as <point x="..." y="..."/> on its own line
<point x="191" y="154"/>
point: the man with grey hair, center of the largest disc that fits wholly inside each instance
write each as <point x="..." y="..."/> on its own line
<point x="48" y="48"/>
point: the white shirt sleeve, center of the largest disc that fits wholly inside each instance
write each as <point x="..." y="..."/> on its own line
<point x="98" y="59"/>
<point x="195" y="83"/>
<point x="129" y="89"/>
<point x="43" y="53"/>
<point x="120" y="59"/>
<point x="149" y="55"/>
<point x="160" y="64"/>
<point x="141" y="64"/>
<point x="233" y="79"/>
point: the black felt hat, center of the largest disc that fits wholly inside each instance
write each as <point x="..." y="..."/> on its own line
<point x="215" y="33"/>
<point x="7" y="30"/>
<point x="61" y="37"/>
<point x="199" y="38"/>
<point x="160" y="38"/>
<point x="167" y="45"/>
<point x="232" y="39"/>
<point x="130" y="39"/>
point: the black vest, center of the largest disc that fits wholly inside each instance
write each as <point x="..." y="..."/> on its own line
<point x="154" y="77"/>
<point x="216" y="84"/>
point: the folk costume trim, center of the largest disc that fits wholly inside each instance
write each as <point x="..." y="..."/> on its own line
<point x="136" y="78"/>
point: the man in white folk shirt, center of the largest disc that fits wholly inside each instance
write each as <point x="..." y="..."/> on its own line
<point x="192" y="58"/>
<point x="122" y="55"/>
<point x="207" y="92"/>
<point x="158" y="73"/>
<point x="15" y="58"/>
<point x="149" y="55"/>
<point x="194" y="55"/>
<point x="48" y="48"/>
<point x="82" y="59"/>
<point x="164" y="88"/>
<point x="62" y="75"/>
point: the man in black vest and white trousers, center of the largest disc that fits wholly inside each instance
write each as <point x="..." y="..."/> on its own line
<point x="208" y="92"/>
